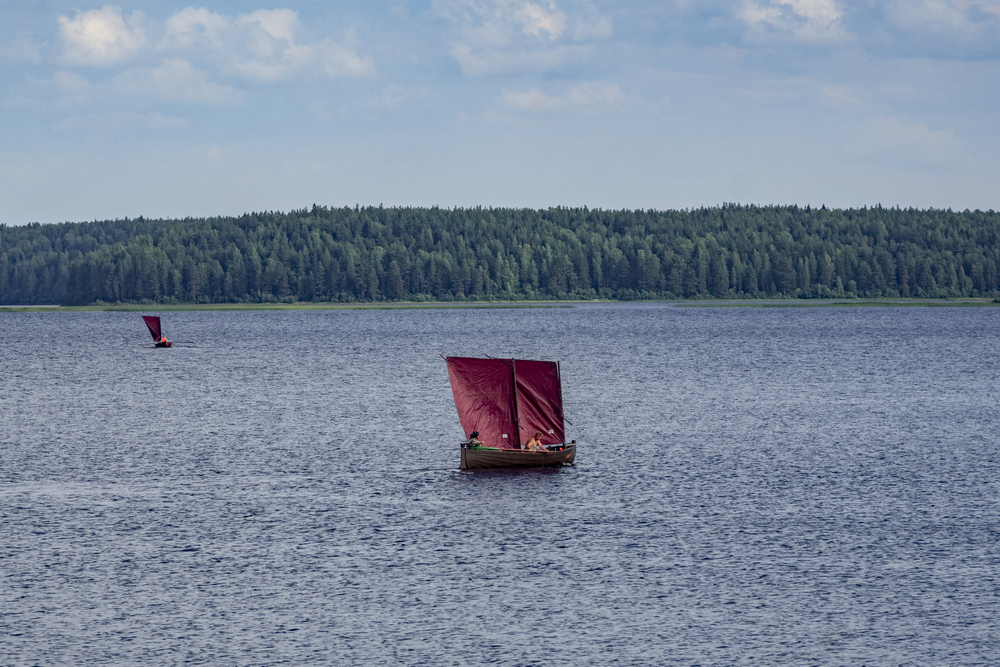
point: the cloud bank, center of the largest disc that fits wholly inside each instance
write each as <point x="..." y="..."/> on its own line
<point x="261" y="46"/>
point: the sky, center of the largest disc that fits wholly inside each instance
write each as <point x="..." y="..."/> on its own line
<point x="167" y="109"/>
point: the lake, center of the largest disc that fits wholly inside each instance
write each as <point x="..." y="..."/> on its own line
<point x="785" y="486"/>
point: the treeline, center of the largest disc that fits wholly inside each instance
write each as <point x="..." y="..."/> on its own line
<point x="375" y="254"/>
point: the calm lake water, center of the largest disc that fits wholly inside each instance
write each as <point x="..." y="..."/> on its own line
<point x="753" y="487"/>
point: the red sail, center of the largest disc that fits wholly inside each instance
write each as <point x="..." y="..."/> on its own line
<point x="539" y="401"/>
<point x="153" y="324"/>
<point x="484" y="397"/>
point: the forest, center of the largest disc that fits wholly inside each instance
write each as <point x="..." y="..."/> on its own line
<point x="371" y="254"/>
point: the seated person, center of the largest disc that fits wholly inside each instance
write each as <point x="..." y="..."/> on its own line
<point x="474" y="440"/>
<point x="535" y="444"/>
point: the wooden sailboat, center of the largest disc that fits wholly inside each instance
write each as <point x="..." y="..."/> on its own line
<point x="153" y="324"/>
<point x="507" y="401"/>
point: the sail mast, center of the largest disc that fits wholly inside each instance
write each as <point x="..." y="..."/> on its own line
<point x="561" y="416"/>
<point x="517" y="417"/>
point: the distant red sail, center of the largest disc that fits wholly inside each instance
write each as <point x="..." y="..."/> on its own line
<point x="484" y="398"/>
<point x="539" y="401"/>
<point x="153" y="324"/>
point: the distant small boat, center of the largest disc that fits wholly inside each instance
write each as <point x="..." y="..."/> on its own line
<point x="507" y="401"/>
<point x="153" y="324"/>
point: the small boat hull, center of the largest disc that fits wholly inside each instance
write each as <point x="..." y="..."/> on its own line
<point x="478" y="459"/>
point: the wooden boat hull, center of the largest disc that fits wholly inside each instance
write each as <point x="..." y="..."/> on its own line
<point x="478" y="459"/>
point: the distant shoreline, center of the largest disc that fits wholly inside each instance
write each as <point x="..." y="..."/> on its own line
<point x="421" y="256"/>
<point x="841" y="303"/>
<point x="402" y="305"/>
<point x="476" y="305"/>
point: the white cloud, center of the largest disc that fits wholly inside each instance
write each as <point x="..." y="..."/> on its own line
<point x="535" y="19"/>
<point x="341" y="61"/>
<point x="271" y="70"/>
<point x="504" y="36"/>
<point x="964" y="19"/>
<point x="175" y="81"/>
<point x="154" y="120"/>
<point x="116" y="122"/>
<point x="594" y="93"/>
<point x="71" y="88"/>
<point x="278" y="23"/>
<point x="840" y="96"/>
<point x="191" y="28"/>
<point x="807" y="20"/>
<point x="587" y="95"/>
<point x="820" y="12"/>
<point x="264" y="32"/>
<point x="893" y="134"/>
<point x="592" y="30"/>
<point x="494" y="61"/>
<point x="22" y="50"/>
<point x="533" y="101"/>
<point x="71" y="83"/>
<point x="939" y="14"/>
<point x="262" y="45"/>
<point x="101" y="36"/>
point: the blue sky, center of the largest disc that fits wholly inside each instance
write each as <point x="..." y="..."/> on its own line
<point x="169" y="109"/>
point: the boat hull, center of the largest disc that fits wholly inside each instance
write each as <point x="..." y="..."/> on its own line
<point x="479" y="459"/>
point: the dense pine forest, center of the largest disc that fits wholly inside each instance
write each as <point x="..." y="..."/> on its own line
<point x="385" y="254"/>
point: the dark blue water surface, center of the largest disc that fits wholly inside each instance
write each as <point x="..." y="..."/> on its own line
<point x="753" y="487"/>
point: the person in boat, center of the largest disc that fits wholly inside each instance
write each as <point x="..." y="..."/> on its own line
<point x="535" y="444"/>
<point x="474" y="440"/>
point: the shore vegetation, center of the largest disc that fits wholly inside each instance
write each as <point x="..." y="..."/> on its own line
<point x="372" y="255"/>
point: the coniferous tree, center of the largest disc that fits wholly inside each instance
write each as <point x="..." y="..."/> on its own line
<point x="416" y="253"/>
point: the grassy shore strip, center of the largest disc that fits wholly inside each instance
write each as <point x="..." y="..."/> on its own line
<point x="418" y="305"/>
<point x="842" y="303"/>
<point x="430" y="305"/>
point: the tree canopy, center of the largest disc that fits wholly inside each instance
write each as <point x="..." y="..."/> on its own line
<point x="384" y="254"/>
